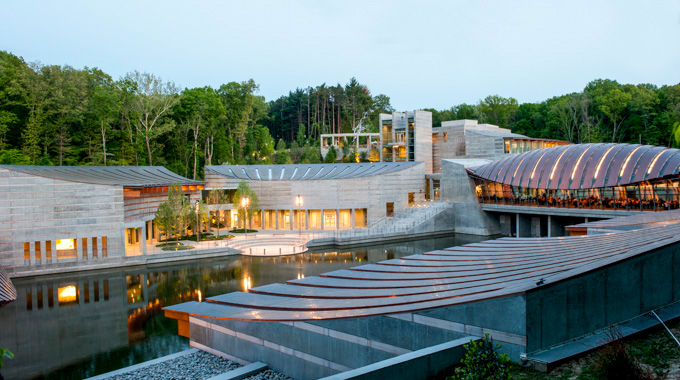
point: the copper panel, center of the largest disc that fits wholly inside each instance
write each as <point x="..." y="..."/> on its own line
<point x="528" y="162"/>
<point x="633" y="164"/>
<point x="509" y="167"/>
<point x="549" y="164"/>
<point x="594" y="150"/>
<point x="483" y="170"/>
<point x="659" y="164"/>
<point x="492" y="168"/>
<point x="619" y="163"/>
<point x="594" y="161"/>
<point x="566" y="167"/>
<point x="528" y="180"/>
<point x="644" y="162"/>
<point x="609" y="161"/>
<point x="541" y="171"/>
<point x="671" y="167"/>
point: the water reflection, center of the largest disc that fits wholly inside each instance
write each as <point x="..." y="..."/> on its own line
<point x="81" y="325"/>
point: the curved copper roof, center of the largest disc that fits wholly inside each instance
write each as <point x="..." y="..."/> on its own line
<point x="582" y="166"/>
<point x="453" y="276"/>
<point x="7" y="291"/>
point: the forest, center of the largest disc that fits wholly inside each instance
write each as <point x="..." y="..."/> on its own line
<point x="60" y="115"/>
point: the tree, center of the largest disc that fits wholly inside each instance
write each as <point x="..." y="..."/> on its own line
<point x="498" y="110"/>
<point x="374" y="155"/>
<point x="331" y="155"/>
<point x="244" y="191"/>
<point x="154" y="100"/>
<point x="613" y="105"/>
<point x="175" y="212"/>
<point x="218" y="199"/>
<point x="103" y="105"/>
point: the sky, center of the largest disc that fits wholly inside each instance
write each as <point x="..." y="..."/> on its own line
<point x="422" y="54"/>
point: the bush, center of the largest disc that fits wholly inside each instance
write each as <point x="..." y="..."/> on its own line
<point x="5" y="353"/>
<point x="614" y="361"/>
<point x="178" y="248"/>
<point x="241" y="230"/>
<point x="482" y="361"/>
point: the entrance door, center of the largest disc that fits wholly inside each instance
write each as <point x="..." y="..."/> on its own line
<point x="411" y="197"/>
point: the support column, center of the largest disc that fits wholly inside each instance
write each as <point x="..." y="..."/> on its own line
<point x="262" y="219"/>
<point x="337" y="218"/>
<point x="143" y="241"/>
<point x="323" y="220"/>
<point x="307" y="220"/>
<point x="31" y="255"/>
<point x="516" y="225"/>
<point x="124" y="240"/>
<point x="549" y="226"/>
<point x="291" y="219"/>
<point x="54" y="251"/>
<point x="352" y="217"/>
<point x="79" y="250"/>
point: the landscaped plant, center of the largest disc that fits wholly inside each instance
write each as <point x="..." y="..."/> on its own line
<point x="615" y="361"/>
<point x="483" y="362"/>
<point x="4" y="353"/>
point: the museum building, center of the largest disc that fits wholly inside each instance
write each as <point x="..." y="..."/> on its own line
<point x="52" y="217"/>
<point x="589" y="176"/>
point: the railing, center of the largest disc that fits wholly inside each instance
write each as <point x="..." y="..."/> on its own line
<point x="401" y="226"/>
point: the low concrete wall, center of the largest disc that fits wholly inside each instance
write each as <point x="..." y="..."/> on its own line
<point x="421" y="364"/>
<point x="618" y="292"/>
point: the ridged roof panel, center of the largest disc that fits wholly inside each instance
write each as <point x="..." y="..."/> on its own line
<point x="126" y="176"/>
<point x="7" y="291"/>
<point x="582" y="166"/>
<point x="303" y="172"/>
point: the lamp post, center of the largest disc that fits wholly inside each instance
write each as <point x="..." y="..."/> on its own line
<point x="198" y="232"/>
<point x="298" y="202"/>
<point x="244" y="204"/>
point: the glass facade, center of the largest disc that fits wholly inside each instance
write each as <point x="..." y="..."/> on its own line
<point x="655" y="195"/>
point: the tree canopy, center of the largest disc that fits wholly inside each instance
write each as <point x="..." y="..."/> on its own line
<point x="60" y="115"/>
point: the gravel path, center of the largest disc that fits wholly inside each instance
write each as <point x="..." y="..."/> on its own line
<point x="199" y="365"/>
<point x="269" y="375"/>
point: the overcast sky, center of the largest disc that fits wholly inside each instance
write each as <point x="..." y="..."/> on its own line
<point x="422" y="54"/>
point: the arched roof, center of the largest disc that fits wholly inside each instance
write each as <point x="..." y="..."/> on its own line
<point x="582" y="166"/>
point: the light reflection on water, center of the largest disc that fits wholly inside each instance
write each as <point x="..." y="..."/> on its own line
<point x="84" y="324"/>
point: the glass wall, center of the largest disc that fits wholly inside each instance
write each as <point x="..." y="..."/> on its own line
<point x="657" y="195"/>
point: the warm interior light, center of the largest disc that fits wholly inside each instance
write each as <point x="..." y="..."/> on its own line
<point x="552" y="173"/>
<point x="65" y="244"/>
<point x="67" y="294"/>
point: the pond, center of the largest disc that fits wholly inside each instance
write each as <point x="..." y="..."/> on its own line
<point x="78" y="325"/>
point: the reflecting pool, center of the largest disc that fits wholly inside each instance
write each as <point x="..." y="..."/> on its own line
<point x="78" y="325"/>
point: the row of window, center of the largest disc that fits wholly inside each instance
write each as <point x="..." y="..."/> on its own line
<point x="65" y="249"/>
<point x="67" y="295"/>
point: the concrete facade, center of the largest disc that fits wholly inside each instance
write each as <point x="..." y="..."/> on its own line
<point x="369" y="194"/>
<point x="50" y="222"/>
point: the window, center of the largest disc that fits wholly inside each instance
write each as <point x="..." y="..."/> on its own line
<point x="95" y="253"/>
<point x="104" y="247"/>
<point x="389" y="208"/>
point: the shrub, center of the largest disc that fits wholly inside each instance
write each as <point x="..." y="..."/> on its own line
<point x="614" y="360"/>
<point x="5" y="353"/>
<point x="482" y="361"/>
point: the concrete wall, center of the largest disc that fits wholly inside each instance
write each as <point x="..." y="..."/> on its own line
<point x="423" y="138"/>
<point x="371" y="192"/>
<point x="478" y="145"/>
<point x="574" y="307"/>
<point x="457" y="187"/>
<point x="36" y="209"/>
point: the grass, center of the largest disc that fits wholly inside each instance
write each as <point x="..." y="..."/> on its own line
<point x="655" y="351"/>
<point x="204" y="237"/>
<point x="178" y="248"/>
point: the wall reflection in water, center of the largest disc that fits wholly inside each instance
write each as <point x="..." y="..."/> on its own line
<point x="81" y="325"/>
